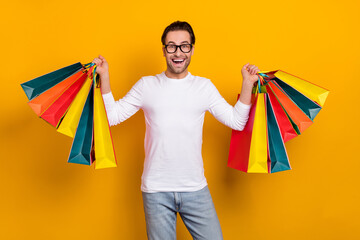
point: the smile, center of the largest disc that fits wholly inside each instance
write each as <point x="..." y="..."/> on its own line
<point x="178" y="61"/>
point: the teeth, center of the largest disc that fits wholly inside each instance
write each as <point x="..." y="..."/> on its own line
<point x="178" y="61"/>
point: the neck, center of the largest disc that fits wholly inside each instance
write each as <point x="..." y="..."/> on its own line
<point x="170" y="74"/>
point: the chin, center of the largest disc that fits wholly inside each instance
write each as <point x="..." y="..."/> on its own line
<point x="178" y="70"/>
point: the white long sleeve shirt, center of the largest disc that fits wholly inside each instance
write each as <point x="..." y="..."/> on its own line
<point x="174" y="112"/>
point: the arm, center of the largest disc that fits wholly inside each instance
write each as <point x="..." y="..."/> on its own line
<point x="117" y="111"/>
<point x="237" y="116"/>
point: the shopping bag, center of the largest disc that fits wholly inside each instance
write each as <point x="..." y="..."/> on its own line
<point x="40" y="84"/>
<point x="69" y="100"/>
<point x="240" y="143"/>
<point x="70" y="122"/>
<point x="288" y="112"/>
<point x="301" y="120"/>
<point x="312" y="91"/>
<point x="277" y="156"/>
<point x="259" y="148"/>
<point x="83" y="141"/>
<point x="248" y="148"/>
<point x="103" y="145"/>
<point x="310" y="108"/>
<point x="44" y="100"/>
<point x="286" y="126"/>
<point x="57" y="110"/>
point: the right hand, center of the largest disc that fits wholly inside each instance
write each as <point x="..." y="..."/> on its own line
<point x="102" y="66"/>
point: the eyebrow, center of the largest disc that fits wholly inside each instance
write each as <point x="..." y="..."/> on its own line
<point x="180" y="43"/>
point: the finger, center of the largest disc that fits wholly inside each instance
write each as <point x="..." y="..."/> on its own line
<point x="252" y="69"/>
<point x="245" y="67"/>
<point x="103" y="59"/>
<point x="96" y="60"/>
<point x="256" y="69"/>
<point x="98" y="64"/>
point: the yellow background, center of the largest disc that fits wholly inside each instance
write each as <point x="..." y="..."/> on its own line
<point x="44" y="197"/>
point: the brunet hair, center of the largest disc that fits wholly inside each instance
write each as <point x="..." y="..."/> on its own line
<point x="178" y="25"/>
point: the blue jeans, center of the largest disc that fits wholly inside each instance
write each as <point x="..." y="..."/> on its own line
<point x="195" y="208"/>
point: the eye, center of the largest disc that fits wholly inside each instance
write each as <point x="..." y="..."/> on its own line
<point x="185" y="47"/>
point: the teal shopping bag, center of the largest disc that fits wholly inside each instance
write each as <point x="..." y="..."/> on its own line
<point x="309" y="107"/>
<point x="83" y="140"/>
<point x="40" y="84"/>
<point x="277" y="157"/>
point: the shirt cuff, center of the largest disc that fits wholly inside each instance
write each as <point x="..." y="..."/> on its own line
<point x="242" y="105"/>
<point x="108" y="98"/>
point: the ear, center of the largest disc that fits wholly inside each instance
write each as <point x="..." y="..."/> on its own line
<point x="192" y="50"/>
<point x="163" y="49"/>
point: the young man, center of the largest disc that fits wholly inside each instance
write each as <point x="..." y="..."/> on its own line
<point x="174" y="104"/>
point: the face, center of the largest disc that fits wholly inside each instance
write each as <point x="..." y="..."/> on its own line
<point x="177" y="62"/>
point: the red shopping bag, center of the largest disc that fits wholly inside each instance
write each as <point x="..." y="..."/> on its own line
<point x="57" y="110"/>
<point x="248" y="148"/>
<point x="287" y="129"/>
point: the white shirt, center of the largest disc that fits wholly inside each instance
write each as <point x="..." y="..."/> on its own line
<point x="174" y="112"/>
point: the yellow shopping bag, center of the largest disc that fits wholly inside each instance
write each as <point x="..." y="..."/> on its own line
<point x="258" y="157"/>
<point x="310" y="90"/>
<point x="70" y="122"/>
<point x="249" y="147"/>
<point x="103" y="145"/>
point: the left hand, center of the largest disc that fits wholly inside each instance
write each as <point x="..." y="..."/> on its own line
<point x="249" y="73"/>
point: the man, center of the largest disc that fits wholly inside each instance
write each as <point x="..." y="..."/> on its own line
<point x="174" y="104"/>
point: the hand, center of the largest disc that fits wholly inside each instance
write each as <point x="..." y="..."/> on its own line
<point x="102" y="66"/>
<point x="249" y="78"/>
<point x="249" y="73"/>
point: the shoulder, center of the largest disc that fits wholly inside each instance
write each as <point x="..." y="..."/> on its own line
<point x="204" y="82"/>
<point x="147" y="83"/>
<point x="148" y="78"/>
<point x="145" y="79"/>
<point x="198" y="78"/>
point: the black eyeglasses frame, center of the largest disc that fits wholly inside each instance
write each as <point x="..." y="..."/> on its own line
<point x="178" y="46"/>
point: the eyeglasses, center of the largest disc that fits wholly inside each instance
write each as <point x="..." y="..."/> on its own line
<point x="172" y="48"/>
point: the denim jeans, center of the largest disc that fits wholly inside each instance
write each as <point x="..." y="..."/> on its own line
<point x="195" y="208"/>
